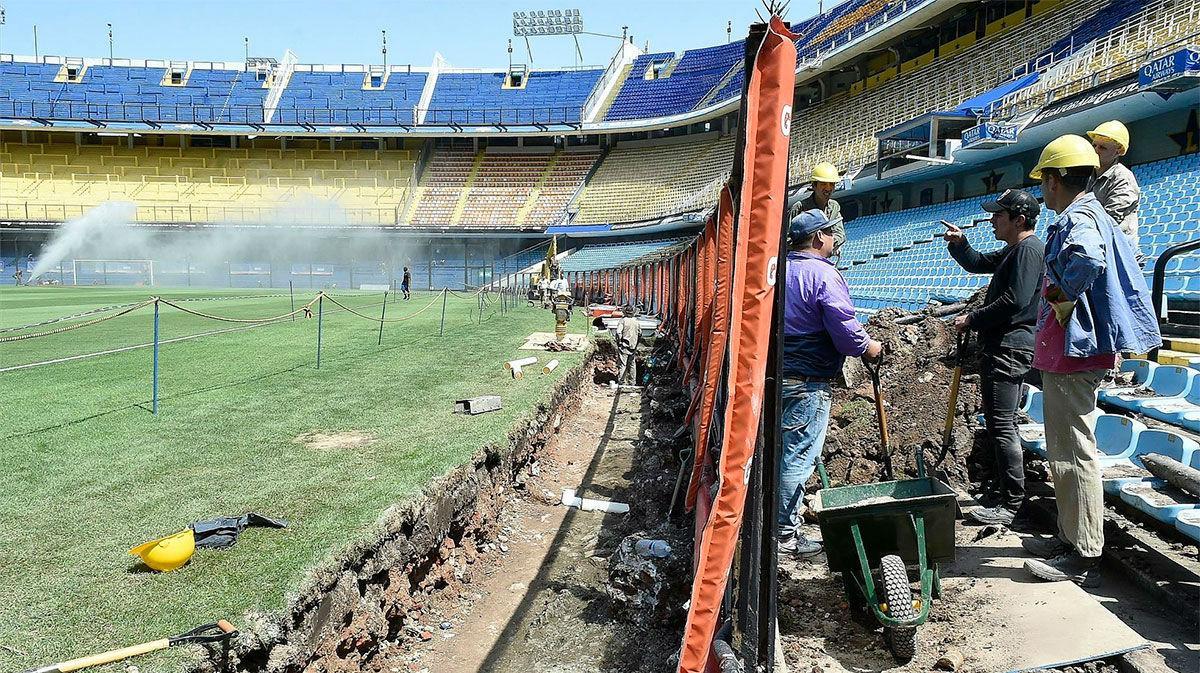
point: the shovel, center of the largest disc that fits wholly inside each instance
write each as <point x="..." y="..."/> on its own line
<point x="881" y="415"/>
<point x="218" y="632"/>
<point x="948" y="430"/>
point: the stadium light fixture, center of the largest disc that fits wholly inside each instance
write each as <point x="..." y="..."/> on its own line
<point x="536" y="23"/>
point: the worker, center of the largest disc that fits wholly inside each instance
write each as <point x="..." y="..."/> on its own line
<point x="819" y="330"/>
<point x="544" y="291"/>
<point x="823" y="180"/>
<point x="629" y="332"/>
<point x="1005" y="325"/>
<point x="1095" y="304"/>
<point x="1113" y="184"/>
<point x="560" y="286"/>
<point x="406" y="283"/>
<point x="18" y="273"/>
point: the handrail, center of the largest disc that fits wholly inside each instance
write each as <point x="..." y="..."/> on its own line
<point x="1157" y="290"/>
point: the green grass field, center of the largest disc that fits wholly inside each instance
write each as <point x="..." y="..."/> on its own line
<point x="89" y="472"/>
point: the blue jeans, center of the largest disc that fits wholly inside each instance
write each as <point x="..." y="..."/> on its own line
<point x="805" y="420"/>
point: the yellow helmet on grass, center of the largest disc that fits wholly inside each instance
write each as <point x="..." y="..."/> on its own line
<point x="167" y="553"/>
<point x="825" y="172"/>
<point x="1114" y="131"/>
<point x="1069" y="151"/>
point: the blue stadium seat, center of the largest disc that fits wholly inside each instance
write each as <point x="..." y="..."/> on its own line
<point x="1169" y="382"/>
<point x="1188" y="523"/>
<point x="1162" y="442"/>
<point x="1139" y="496"/>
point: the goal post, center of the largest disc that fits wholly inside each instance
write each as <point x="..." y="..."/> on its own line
<point x="112" y="272"/>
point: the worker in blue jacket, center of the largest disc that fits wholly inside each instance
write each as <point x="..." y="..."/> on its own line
<point x="1095" y="304"/>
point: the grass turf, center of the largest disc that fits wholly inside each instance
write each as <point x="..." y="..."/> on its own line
<point x="89" y="472"/>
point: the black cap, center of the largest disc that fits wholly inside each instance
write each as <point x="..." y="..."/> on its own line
<point x="1016" y="202"/>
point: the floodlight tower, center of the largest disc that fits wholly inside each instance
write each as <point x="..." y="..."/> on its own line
<point x="541" y="22"/>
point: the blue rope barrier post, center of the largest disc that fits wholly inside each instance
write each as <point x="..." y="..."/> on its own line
<point x="442" y="329"/>
<point x="320" y="320"/>
<point x="382" y="315"/>
<point x="292" y="294"/>
<point x="154" y="365"/>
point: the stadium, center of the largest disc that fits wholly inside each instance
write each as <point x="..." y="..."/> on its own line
<point x="195" y="257"/>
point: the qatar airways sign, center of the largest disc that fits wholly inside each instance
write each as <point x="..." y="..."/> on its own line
<point x="1171" y="71"/>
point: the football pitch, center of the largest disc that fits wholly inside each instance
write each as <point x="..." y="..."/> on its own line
<point x="89" y="472"/>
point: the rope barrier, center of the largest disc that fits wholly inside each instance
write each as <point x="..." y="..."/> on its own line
<point x="51" y="321"/>
<point x="379" y="320"/>
<point x="114" y="307"/>
<point x="68" y="328"/>
<point x="130" y="308"/>
<point x="302" y="309"/>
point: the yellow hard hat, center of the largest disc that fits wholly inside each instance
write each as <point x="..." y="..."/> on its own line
<point x="825" y="172"/>
<point x="1114" y="131"/>
<point x="167" y="553"/>
<point x="1069" y="151"/>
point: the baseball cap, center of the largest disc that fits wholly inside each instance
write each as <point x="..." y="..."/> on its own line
<point x="1015" y="201"/>
<point x="807" y="222"/>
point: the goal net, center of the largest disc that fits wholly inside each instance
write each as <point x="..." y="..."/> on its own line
<point x="112" y="272"/>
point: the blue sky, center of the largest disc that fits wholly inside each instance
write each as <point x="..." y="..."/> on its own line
<point x="467" y="33"/>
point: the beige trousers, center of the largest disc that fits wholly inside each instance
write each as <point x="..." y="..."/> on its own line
<point x="1069" y="403"/>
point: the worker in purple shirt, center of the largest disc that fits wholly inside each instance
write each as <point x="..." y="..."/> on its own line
<point x="819" y="331"/>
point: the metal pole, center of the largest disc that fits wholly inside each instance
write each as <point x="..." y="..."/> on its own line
<point x="154" y="366"/>
<point x="382" y="315"/>
<point x="292" y="294"/>
<point x="320" y="320"/>
<point x="442" y="329"/>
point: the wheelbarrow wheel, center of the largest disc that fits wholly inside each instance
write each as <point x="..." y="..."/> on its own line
<point x="897" y="591"/>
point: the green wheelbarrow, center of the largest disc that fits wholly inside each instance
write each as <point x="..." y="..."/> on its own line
<point x="873" y="532"/>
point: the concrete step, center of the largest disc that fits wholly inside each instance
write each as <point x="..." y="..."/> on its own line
<point x="1167" y="356"/>
<point x="1189" y="344"/>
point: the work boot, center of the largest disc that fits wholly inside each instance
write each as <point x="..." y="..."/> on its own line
<point x="991" y="516"/>
<point x="1070" y="567"/>
<point x="1045" y="547"/>
<point x="799" y="546"/>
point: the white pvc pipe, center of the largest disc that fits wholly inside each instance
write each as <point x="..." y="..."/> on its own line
<point x="550" y="366"/>
<point x="517" y="364"/>
<point x="590" y="505"/>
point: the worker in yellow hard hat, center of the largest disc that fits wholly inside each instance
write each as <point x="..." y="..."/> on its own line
<point x="1095" y="304"/>
<point x="823" y="180"/>
<point x="1113" y="184"/>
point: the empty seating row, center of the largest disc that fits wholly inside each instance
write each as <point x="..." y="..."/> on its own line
<point x="641" y="182"/>
<point x="1122" y="442"/>
<point x="1169" y="393"/>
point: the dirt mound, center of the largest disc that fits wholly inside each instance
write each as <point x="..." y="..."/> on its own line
<point x="920" y="353"/>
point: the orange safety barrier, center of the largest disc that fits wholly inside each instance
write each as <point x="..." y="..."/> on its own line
<point x="767" y="119"/>
<point x="716" y="338"/>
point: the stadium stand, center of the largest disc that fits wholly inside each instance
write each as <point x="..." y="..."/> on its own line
<point x="315" y="94"/>
<point x="639" y="180"/>
<point x="1087" y="57"/>
<point x="544" y="97"/>
<point x="52" y="181"/>
<point x="126" y="93"/>
<point x="441" y="194"/>
<point x="500" y="187"/>
<point x="841" y="128"/>
<point x="610" y="255"/>
<point x="661" y="84"/>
